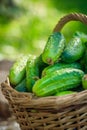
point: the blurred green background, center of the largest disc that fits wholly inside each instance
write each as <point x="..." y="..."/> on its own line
<point x="26" y="24"/>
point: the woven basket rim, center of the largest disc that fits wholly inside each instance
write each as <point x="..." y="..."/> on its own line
<point x="57" y="103"/>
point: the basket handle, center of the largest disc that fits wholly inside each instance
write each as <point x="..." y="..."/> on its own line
<point x="70" y="17"/>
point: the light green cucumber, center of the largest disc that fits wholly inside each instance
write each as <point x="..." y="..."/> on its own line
<point x="32" y="72"/>
<point x="60" y="80"/>
<point x="18" y="70"/>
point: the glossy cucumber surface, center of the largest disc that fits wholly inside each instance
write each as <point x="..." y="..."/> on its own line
<point x="74" y="50"/>
<point x="32" y="73"/>
<point x="60" y="80"/>
<point x="18" y="70"/>
<point x="58" y="66"/>
<point x="54" y="48"/>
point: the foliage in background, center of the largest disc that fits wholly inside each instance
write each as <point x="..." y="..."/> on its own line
<point x="25" y="25"/>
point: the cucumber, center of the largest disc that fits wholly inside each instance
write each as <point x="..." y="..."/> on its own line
<point x="32" y="72"/>
<point x="74" y="50"/>
<point x="64" y="93"/>
<point x="54" y="48"/>
<point x="84" y="81"/>
<point x="41" y="64"/>
<point x="60" y="80"/>
<point x="58" y="66"/>
<point x="18" y="70"/>
<point x="21" y="87"/>
<point x="82" y="35"/>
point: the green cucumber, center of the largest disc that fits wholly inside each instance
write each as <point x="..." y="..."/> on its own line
<point x="74" y="50"/>
<point x="21" y="87"/>
<point x="82" y="35"/>
<point x="54" y="48"/>
<point x="64" y="93"/>
<point x="41" y="64"/>
<point x="18" y="70"/>
<point x="32" y="72"/>
<point x="58" y="66"/>
<point x="84" y="81"/>
<point x="60" y="80"/>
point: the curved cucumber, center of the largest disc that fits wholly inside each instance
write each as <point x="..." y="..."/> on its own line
<point x="60" y="80"/>
<point x="32" y="73"/>
<point x="58" y="66"/>
<point x="54" y="48"/>
<point x="74" y="50"/>
<point x="18" y="70"/>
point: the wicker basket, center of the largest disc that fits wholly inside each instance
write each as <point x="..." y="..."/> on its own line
<point x="49" y="113"/>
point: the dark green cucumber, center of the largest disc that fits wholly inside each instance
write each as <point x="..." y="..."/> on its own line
<point x="41" y="64"/>
<point x="21" y="87"/>
<point x="64" y="93"/>
<point x="54" y="48"/>
<point x="32" y="73"/>
<point x="74" y="50"/>
<point x="60" y="80"/>
<point x="84" y="81"/>
<point x="58" y="66"/>
<point x="18" y="70"/>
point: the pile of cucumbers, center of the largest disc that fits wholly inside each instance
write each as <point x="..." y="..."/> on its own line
<point x="59" y="70"/>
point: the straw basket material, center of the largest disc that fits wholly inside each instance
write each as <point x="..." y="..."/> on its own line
<point x="49" y="113"/>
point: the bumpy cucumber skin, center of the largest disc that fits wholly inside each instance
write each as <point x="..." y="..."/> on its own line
<point x="64" y="93"/>
<point x="21" y="87"/>
<point x="18" y="70"/>
<point x="73" y="51"/>
<point x="54" y="48"/>
<point x="84" y="81"/>
<point x="60" y="80"/>
<point x="58" y="66"/>
<point x="32" y="73"/>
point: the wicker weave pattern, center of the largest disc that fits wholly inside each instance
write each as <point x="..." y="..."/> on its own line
<point x="67" y="112"/>
<point x="49" y="113"/>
